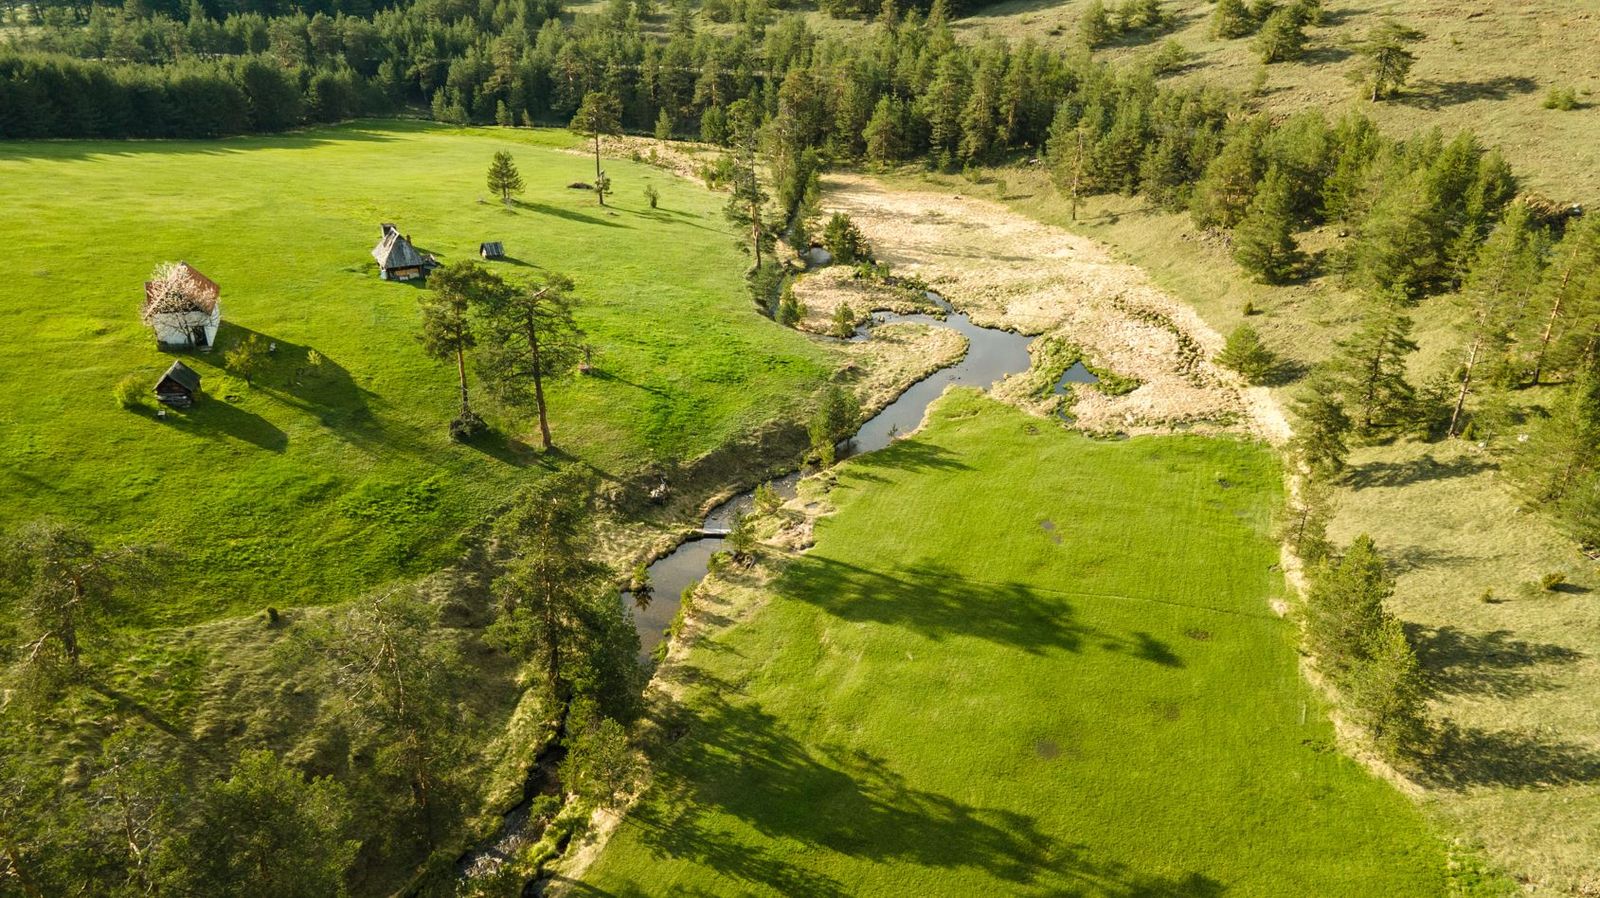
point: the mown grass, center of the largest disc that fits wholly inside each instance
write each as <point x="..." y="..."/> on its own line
<point x="1019" y="662"/>
<point x="323" y="480"/>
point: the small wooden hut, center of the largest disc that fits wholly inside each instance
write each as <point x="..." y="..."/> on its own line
<point x="179" y="386"/>
<point x="398" y="259"/>
<point x="492" y="250"/>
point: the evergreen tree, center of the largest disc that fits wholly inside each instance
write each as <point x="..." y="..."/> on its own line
<point x="599" y="114"/>
<point x="883" y="132"/>
<point x="1223" y="196"/>
<point x="845" y="242"/>
<point x="504" y="179"/>
<point x="1388" y="693"/>
<point x="1370" y="366"/>
<point x="1567" y="303"/>
<point x="1264" y="243"/>
<point x="1246" y="354"/>
<point x="748" y="202"/>
<point x="247" y="357"/>
<point x="1282" y="37"/>
<point x="394" y="676"/>
<point x="447" y="332"/>
<point x="836" y="416"/>
<point x="552" y="587"/>
<point x="62" y="590"/>
<point x="664" y="126"/>
<point x="1231" y="19"/>
<point x="269" y="827"/>
<point x="1503" y="275"/>
<point x="1094" y="25"/>
<point x="1562" y="450"/>
<point x="1344" y="607"/>
<point x="529" y="336"/>
<point x="1388" y="58"/>
<point x="1323" y="426"/>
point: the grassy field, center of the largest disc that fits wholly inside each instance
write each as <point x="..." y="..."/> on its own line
<point x="1483" y="66"/>
<point x="1018" y="662"/>
<point x="1519" y="675"/>
<point x="323" y="480"/>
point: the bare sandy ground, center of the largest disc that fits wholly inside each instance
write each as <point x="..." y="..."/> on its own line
<point x="1006" y="270"/>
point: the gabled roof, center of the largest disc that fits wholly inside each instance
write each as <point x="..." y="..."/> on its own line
<point x="395" y="251"/>
<point x="183" y="376"/>
<point x="492" y="248"/>
<point x="205" y="300"/>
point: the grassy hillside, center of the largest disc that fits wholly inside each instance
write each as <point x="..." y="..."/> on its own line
<point x="1517" y="674"/>
<point x="1019" y="662"/>
<point x="323" y="480"/>
<point x="1484" y="66"/>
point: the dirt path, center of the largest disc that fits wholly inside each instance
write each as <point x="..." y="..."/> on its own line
<point x="1006" y="270"/>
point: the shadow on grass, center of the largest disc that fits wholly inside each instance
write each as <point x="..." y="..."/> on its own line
<point x="1493" y="663"/>
<point x="568" y="214"/>
<point x="325" y="391"/>
<point x="935" y="602"/>
<point x="901" y="455"/>
<point x="1417" y="470"/>
<point x="1470" y="756"/>
<point x="803" y="799"/>
<point x="80" y="148"/>
<point x="217" y="418"/>
<point x="1439" y="94"/>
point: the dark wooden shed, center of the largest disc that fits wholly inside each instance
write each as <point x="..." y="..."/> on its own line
<point x="492" y="250"/>
<point x="179" y="386"/>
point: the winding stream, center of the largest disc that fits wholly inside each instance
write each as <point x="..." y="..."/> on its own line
<point x="992" y="354"/>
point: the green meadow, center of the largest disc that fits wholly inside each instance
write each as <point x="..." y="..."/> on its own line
<point x="325" y="479"/>
<point x="1018" y="662"/>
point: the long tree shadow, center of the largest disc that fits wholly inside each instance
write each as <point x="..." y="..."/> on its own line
<point x="568" y="214"/>
<point x="1493" y="663"/>
<point x="1471" y="756"/>
<point x="935" y="602"/>
<point x="902" y="455"/>
<point x="739" y="761"/>
<point x="1439" y="94"/>
<point x="1417" y="470"/>
<point x="302" y="378"/>
<point x="215" y="417"/>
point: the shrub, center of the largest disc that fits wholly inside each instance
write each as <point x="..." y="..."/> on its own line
<point x="1562" y="98"/>
<point x="466" y="426"/>
<point x="130" y="392"/>
<point x="844" y="321"/>
<point x="790" y="310"/>
<point x="1170" y="57"/>
<point x="844" y="240"/>
<point x="1246" y="354"/>
<point x="767" y="499"/>
<point x="1552" y="581"/>
<point x="651" y="195"/>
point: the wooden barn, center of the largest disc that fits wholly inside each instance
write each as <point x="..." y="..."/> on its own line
<point x="398" y="260"/>
<point x="179" y="386"/>
<point x="183" y="306"/>
<point x="492" y="250"/>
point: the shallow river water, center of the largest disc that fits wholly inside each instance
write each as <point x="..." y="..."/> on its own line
<point x="992" y="354"/>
